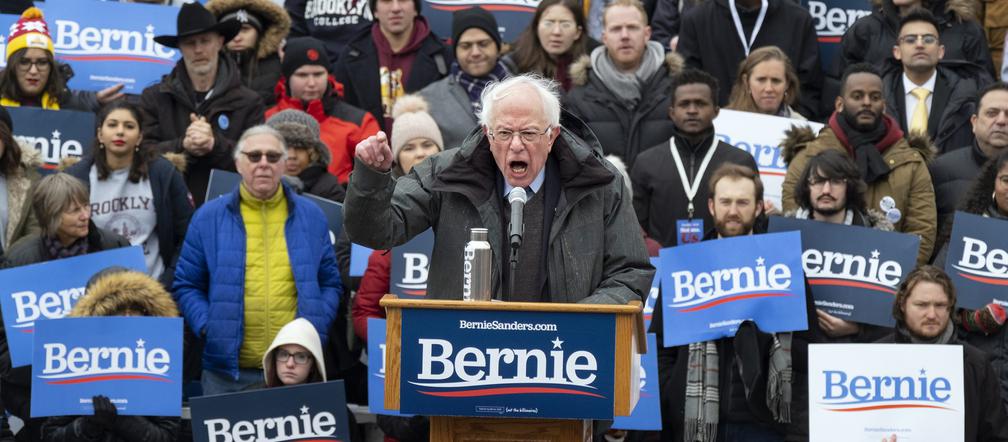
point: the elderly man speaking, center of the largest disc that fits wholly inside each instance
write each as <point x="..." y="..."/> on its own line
<point x="581" y="239"/>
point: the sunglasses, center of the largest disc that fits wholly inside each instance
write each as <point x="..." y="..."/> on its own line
<point x="256" y="156"/>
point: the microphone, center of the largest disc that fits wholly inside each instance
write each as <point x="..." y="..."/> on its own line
<point x="517" y="197"/>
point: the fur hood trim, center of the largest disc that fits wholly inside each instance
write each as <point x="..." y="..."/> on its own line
<point x="922" y="143"/>
<point x="580" y="67"/>
<point x="277" y="22"/>
<point x="960" y="10"/>
<point x="31" y="158"/>
<point x="795" y="139"/>
<point x="110" y="293"/>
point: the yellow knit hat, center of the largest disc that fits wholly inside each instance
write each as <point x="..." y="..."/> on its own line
<point x="30" y="31"/>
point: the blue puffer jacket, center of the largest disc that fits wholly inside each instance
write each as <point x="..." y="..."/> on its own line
<point x="210" y="274"/>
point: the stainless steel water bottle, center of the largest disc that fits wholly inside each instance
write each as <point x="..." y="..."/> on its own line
<point x="476" y="267"/>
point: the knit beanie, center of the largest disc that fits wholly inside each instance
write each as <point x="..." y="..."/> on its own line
<point x="475" y="17"/>
<point x="304" y="51"/>
<point x="30" y="31"/>
<point x="300" y="130"/>
<point x="372" y="3"/>
<point x="412" y="121"/>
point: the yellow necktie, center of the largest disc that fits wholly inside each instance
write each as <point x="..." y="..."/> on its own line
<point x="918" y="123"/>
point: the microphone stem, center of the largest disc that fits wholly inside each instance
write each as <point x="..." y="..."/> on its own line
<point x="511" y="274"/>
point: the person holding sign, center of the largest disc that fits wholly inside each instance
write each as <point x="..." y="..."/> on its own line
<point x="18" y="175"/>
<point x="62" y="206"/>
<point x="117" y="292"/>
<point x="923" y="311"/>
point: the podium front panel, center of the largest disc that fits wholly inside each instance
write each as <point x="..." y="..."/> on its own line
<point x="524" y="364"/>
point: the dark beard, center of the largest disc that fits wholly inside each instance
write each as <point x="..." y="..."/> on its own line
<point x="828" y="212"/>
<point x="720" y="226"/>
<point x="861" y="127"/>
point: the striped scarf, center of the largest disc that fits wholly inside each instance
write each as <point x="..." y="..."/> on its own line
<point x="474" y="85"/>
<point x="702" y="393"/>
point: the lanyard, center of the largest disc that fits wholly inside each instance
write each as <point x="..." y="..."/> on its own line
<point x="692" y="188"/>
<point x="747" y="44"/>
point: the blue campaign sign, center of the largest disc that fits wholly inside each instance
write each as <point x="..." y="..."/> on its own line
<point x="652" y="298"/>
<point x="31" y="294"/>
<point x="358" y="259"/>
<point x="977" y="260"/>
<point x="54" y="134"/>
<point x="711" y="287"/>
<point x="136" y="361"/>
<point x="410" y="266"/>
<point x="507" y="364"/>
<point x="832" y="19"/>
<point x="104" y="49"/>
<point x="307" y="412"/>
<point x="513" y="16"/>
<point x="647" y="414"/>
<point x="6" y="20"/>
<point x="853" y="271"/>
<point x="376" y="368"/>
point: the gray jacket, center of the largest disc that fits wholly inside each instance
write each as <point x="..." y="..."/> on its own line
<point x="451" y="109"/>
<point x="595" y="253"/>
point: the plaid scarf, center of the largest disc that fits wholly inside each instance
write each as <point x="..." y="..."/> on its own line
<point x="474" y="85"/>
<point x="779" y="378"/>
<point x="57" y="251"/>
<point x="702" y="393"/>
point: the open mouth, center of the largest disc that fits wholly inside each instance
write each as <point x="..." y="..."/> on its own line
<point x="518" y="167"/>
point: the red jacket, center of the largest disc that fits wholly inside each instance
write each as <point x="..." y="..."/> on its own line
<point x="373" y="286"/>
<point x="342" y="125"/>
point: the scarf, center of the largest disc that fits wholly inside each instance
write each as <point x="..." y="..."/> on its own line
<point x="627" y="87"/>
<point x="779" y="377"/>
<point x="474" y="85"/>
<point x="803" y="213"/>
<point x="944" y="338"/>
<point x="866" y="147"/>
<point x="58" y="251"/>
<point x="47" y="102"/>
<point x="702" y="392"/>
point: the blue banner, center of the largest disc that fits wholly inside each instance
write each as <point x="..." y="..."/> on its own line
<point x="358" y="259"/>
<point x="54" y="134"/>
<point x="832" y="19"/>
<point x="410" y="266"/>
<point x="507" y="364"/>
<point x="105" y="49"/>
<point x="711" y="287"/>
<point x="977" y="260"/>
<point x="34" y="293"/>
<point x="376" y="368"/>
<point x="652" y="298"/>
<point x="308" y="413"/>
<point x="6" y="20"/>
<point x="853" y="271"/>
<point x="513" y="16"/>
<point x="135" y="361"/>
<point x="647" y="414"/>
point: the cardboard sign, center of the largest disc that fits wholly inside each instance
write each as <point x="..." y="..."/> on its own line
<point x="977" y="260"/>
<point x="507" y="364"/>
<point x="760" y="135"/>
<point x="135" y="361"/>
<point x="376" y="368"/>
<point x="411" y="265"/>
<point x="867" y="392"/>
<point x="54" y="134"/>
<point x="646" y="414"/>
<point x="308" y="412"/>
<point x="709" y="288"/>
<point x="854" y="271"/>
<point x="35" y="293"/>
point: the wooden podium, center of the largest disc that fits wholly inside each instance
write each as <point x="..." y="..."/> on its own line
<point x="628" y="343"/>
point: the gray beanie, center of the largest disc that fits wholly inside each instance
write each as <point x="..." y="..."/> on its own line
<point x="300" y="130"/>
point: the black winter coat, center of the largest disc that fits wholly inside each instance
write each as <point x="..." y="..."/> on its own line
<point x="658" y="195"/>
<point x="172" y="206"/>
<point x="265" y="76"/>
<point x="953" y="103"/>
<point x="230" y="110"/>
<point x="127" y="429"/>
<point x="953" y="174"/>
<point x="334" y="23"/>
<point x="319" y="182"/>
<point x="623" y="130"/>
<point x="358" y="71"/>
<point x="708" y="41"/>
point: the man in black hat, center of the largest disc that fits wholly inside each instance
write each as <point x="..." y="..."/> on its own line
<point x="477" y="54"/>
<point x="201" y="107"/>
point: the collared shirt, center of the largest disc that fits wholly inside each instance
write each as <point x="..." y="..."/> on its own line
<point x="911" y="100"/>
<point x="536" y="183"/>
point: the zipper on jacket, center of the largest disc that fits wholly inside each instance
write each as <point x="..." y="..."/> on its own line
<point x="266" y="260"/>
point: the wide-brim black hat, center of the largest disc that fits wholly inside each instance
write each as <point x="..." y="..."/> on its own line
<point x="194" y="19"/>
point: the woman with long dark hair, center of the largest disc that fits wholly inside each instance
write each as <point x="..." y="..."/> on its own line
<point x="18" y="174"/>
<point x="554" y="38"/>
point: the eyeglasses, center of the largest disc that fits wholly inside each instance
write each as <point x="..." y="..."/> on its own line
<point x="527" y="136"/>
<point x="256" y="156"/>
<point x="300" y="358"/>
<point x="911" y="39"/>
<point x="41" y="64"/>
<point x="818" y="182"/>
<point x="565" y="25"/>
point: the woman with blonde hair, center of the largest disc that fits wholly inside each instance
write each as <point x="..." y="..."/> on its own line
<point x="766" y="84"/>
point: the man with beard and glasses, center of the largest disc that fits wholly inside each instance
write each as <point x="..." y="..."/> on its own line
<point x="665" y="200"/>
<point x="893" y="168"/>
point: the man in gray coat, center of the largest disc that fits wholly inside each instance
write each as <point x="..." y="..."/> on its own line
<point x="581" y="240"/>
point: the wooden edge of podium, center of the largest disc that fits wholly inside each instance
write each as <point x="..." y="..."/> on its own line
<point x="454" y="428"/>
<point x="393" y="346"/>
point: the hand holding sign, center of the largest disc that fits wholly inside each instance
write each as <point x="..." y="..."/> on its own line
<point x="104" y="416"/>
<point x="110" y="94"/>
<point x="375" y="152"/>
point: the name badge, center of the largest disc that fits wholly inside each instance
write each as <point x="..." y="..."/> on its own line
<point x="690" y="230"/>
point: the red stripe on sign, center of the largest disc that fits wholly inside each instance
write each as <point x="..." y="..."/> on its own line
<point x="487" y="7"/>
<point x="829" y="39"/>
<point x="887" y="407"/>
<point x="845" y="283"/>
<point x="115" y="58"/>
<point x="508" y="390"/>
<point x="415" y="292"/>
<point x="733" y="298"/>
<point x="111" y="377"/>
<point x="984" y="280"/>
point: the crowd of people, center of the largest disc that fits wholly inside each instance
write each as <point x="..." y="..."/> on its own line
<point x="603" y="111"/>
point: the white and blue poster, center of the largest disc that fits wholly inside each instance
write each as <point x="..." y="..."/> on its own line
<point x="854" y="272"/>
<point x="307" y="412"/>
<point x="649" y="303"/>
<point x="411" y="265"/>
<point x="977" y="260"/>
<point x="832" y="20"/>
<point x="710" y="287"/>
<point x="646" y="414"/>
<point x="135" y="361"/>
<point x="54" y="134"/>
<point x="35" y="293"/>
<point x="359" y="256"/>
<point x="376" y="368"/>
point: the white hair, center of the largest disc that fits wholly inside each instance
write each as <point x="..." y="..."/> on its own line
<point x="496" y="91"/>
<point x="261" y="129"/>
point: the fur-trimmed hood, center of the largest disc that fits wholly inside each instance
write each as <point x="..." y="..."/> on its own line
<point x="961" y="10"/>
<point x="799" y="136"/>
<point x="276" y="21"/>
<point x="109" y="294"/>
<point x="579" y="68"/>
